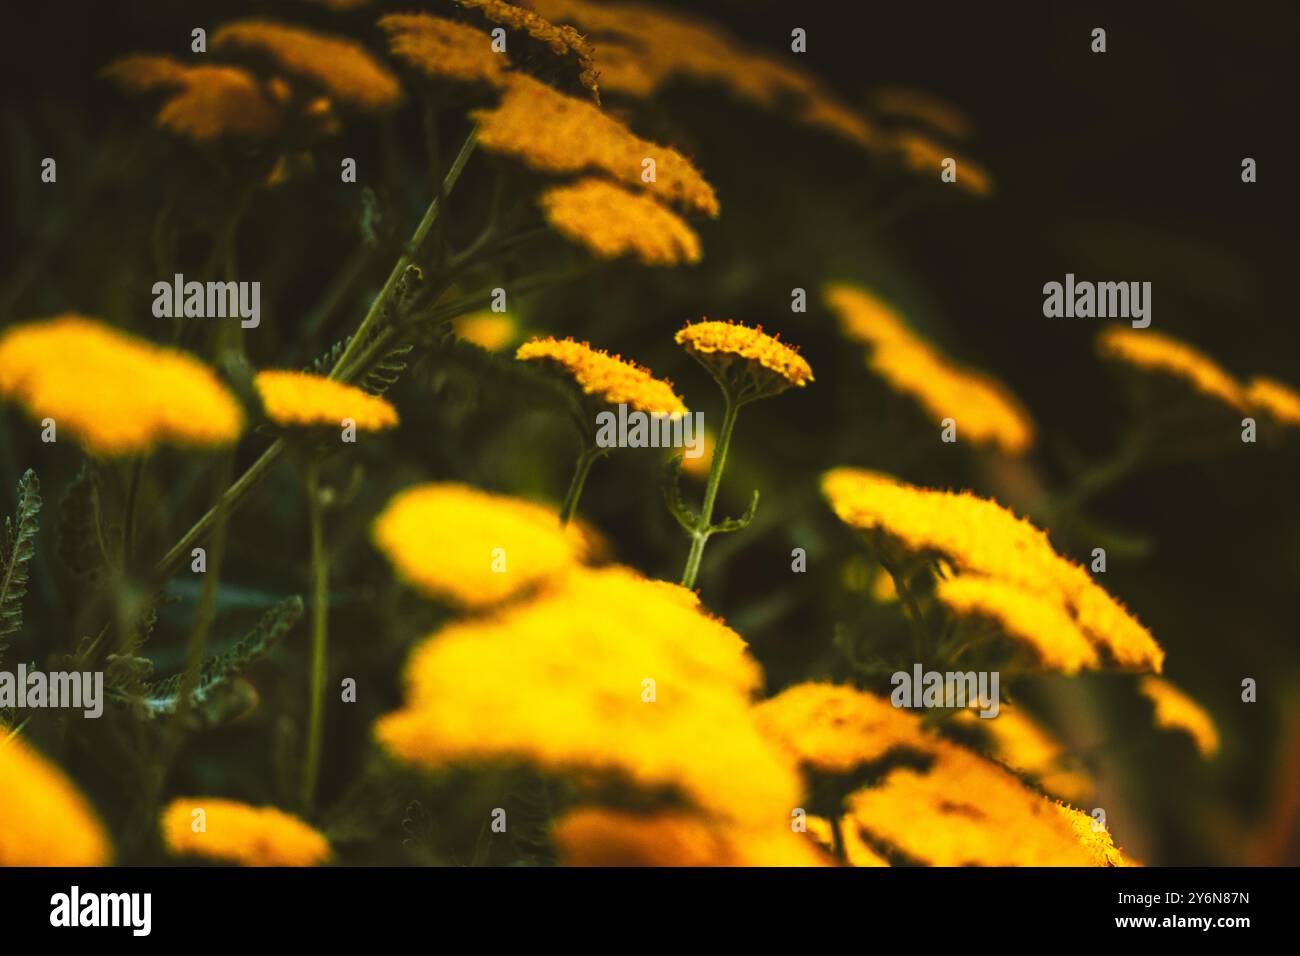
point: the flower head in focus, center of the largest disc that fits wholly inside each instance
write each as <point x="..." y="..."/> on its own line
<point x="608" y="378"/>
<point x="748" y="363"/>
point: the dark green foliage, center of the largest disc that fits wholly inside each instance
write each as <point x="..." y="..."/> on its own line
<point x="16" y="551"/>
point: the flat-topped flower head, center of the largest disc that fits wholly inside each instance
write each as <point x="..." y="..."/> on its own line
<point x="1278" y="400"/>
<point x="747" y="362"/>
<point x="562" y="41"/>
<point x="117" y="394"/>
<point x="207" y="103"/>
<point x="980" y="537"/>
<point x="235" y="832"/>
<point x="339" y="67"/>
<point x="444" y="49"/>
<point x="1176" y="711"/>
<point x="470" y="547"/>
<point x="607" y="378"/>
<point x="986" y="413"/>
<point x="554" y="133"/>
<point x="611" y="222"/>
<point x="603" y="675"/>
<point x="301" y="399"/>
<point x="1154" y="352"/>
<point x="44" y="819"/>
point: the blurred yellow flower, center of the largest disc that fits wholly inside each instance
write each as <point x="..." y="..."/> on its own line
<point x="44" y="819"/>
<point x="609" y="378"/>
<point x="832" y="728"/>
<point x="1154" y="352"/>
<point x="924" y="107"/>
<point x="338" y="66"/>
<point x="754" y="363"/>
<point x="1176" y="711"/>
<point x="471" y="547"/>
<point x="236" y="832"/>
<point x="1041" y="623"/>
<point x="856" y="850"/>
<point x="605" y="673"/>
<point x="593" y="836"/>
<point x="923" y="155"/>
<point x="698" y="467"/>
<point x="612" y="222"/>
<point x="554" y="133"/>
<point x="493" y="331"/>
<point x="984" y="410"/>
<point x="980" y="537"/>
<point x="444" y="49"/>
<point x="119" y="395"/>
<point x="1020" y="742"/>
<point x="302" y="399"/>
<point x="208" y="103"/>
<point x="563" y="41"/>
<point x="1280" y="401"/>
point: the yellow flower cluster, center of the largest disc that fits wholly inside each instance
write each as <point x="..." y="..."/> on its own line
<point x="910" y="104"/>
<point x="554" y="133"/>
<point x="1155" y="352"/>
<point x="961" y="811"/>
<point x="339" y="67"/>
<point x="488" y="330"/>
<point x="118" y="394"/>
<point x="208" y="102"/>
<point x="444" y="49"/>
<point x="594" y="836"/>
<point x="612" y="222"/>
<point x="563" y="41"/>
<point x="608" y="378"/>
<point x="44" y="819"/>
<point x="302" y="399"/>
<point x="470" y="547"/>
<point x="1025" y="746"/>
<point x="236" y="832"/>
<point x="923" y="155"/>
<point x="754" y="363"/>
<point x="1279" y="401"/>
<point x="980" y="537"/>
<point x="1176" y="711"/>
<point x="985" y="412"/>
<point x="605" y="674"/>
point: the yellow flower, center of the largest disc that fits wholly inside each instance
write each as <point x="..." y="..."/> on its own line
<point x="1153" y="352"/>
<point x="488" y="330"/>
<point x="1041" y="623"/>
<point x="44" y="819"/>
<point x="831" y="728"/>
<point x="444" y="49"/>
<point x="980" y="537"/>
<point x="612" y="222"/>
<point x="751" y="363"/>
<point x="1278" y="400"/>
<point x="239" y="833"/>
<point x="118" y="394"/>
<point x="1176" y="711"/>
<point x="923" y="155"/>
<point x="563" y="41"/>
<point x="604" y="674"/>
<point x="210" y="102"/>
<point x="698" y="467"/>
<point x="965" y="811"/>
<point x="608" y="378"/>
<point x="1025" y="746"/>
<point x="554" y="133"/>
<point x="593" y="836"/>
<point x="471" y="547"/>
<point x="985" y="412"/>
<point x="1094" y="838"/>
<point x="924" y="107"/>
<point x="340" y="67"/>
<point x="303" y="399"/>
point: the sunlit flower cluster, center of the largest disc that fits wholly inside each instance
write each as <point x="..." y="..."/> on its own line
<point x="980" y="537"/>
<point x="304" y="399"/>
<point x="444" y="49"/>
<point x="1176" y="711"/>
<point x="1156" y="352"/>
<point x="751" y="362"/>
<point x="563" y="41"/>
<point x="612" y="222"/>
<point x="609" y="378"/>
<point x="234" y="832"/>
<point x="117" y="394"/>
<point x="985" y="412"/>
<point x="44" y="819"/>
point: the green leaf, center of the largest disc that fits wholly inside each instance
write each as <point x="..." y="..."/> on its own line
<point x="382" y="375"/>
<point x="81" y="544"/>
<point x="673" y="495"/>
<point x="736" y="524"/>
<point x="16" y="552"/>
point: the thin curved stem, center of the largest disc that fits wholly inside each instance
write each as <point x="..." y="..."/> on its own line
<point x="586" y="458"/>
<point x="319" y="639"/>
<point x="703" y="527"/>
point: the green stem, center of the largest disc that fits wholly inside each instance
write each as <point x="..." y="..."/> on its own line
<point x="378" y="307"/>
<point x="703" y="526"/>
<point x="320" y="637"/>
<point x="132" y="503"/>
<point x="586" y="458"/>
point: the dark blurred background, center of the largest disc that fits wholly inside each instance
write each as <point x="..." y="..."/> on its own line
<point x="1122" y="166"/>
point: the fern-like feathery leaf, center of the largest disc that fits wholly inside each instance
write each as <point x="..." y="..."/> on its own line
<point x="16" y="552"/>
